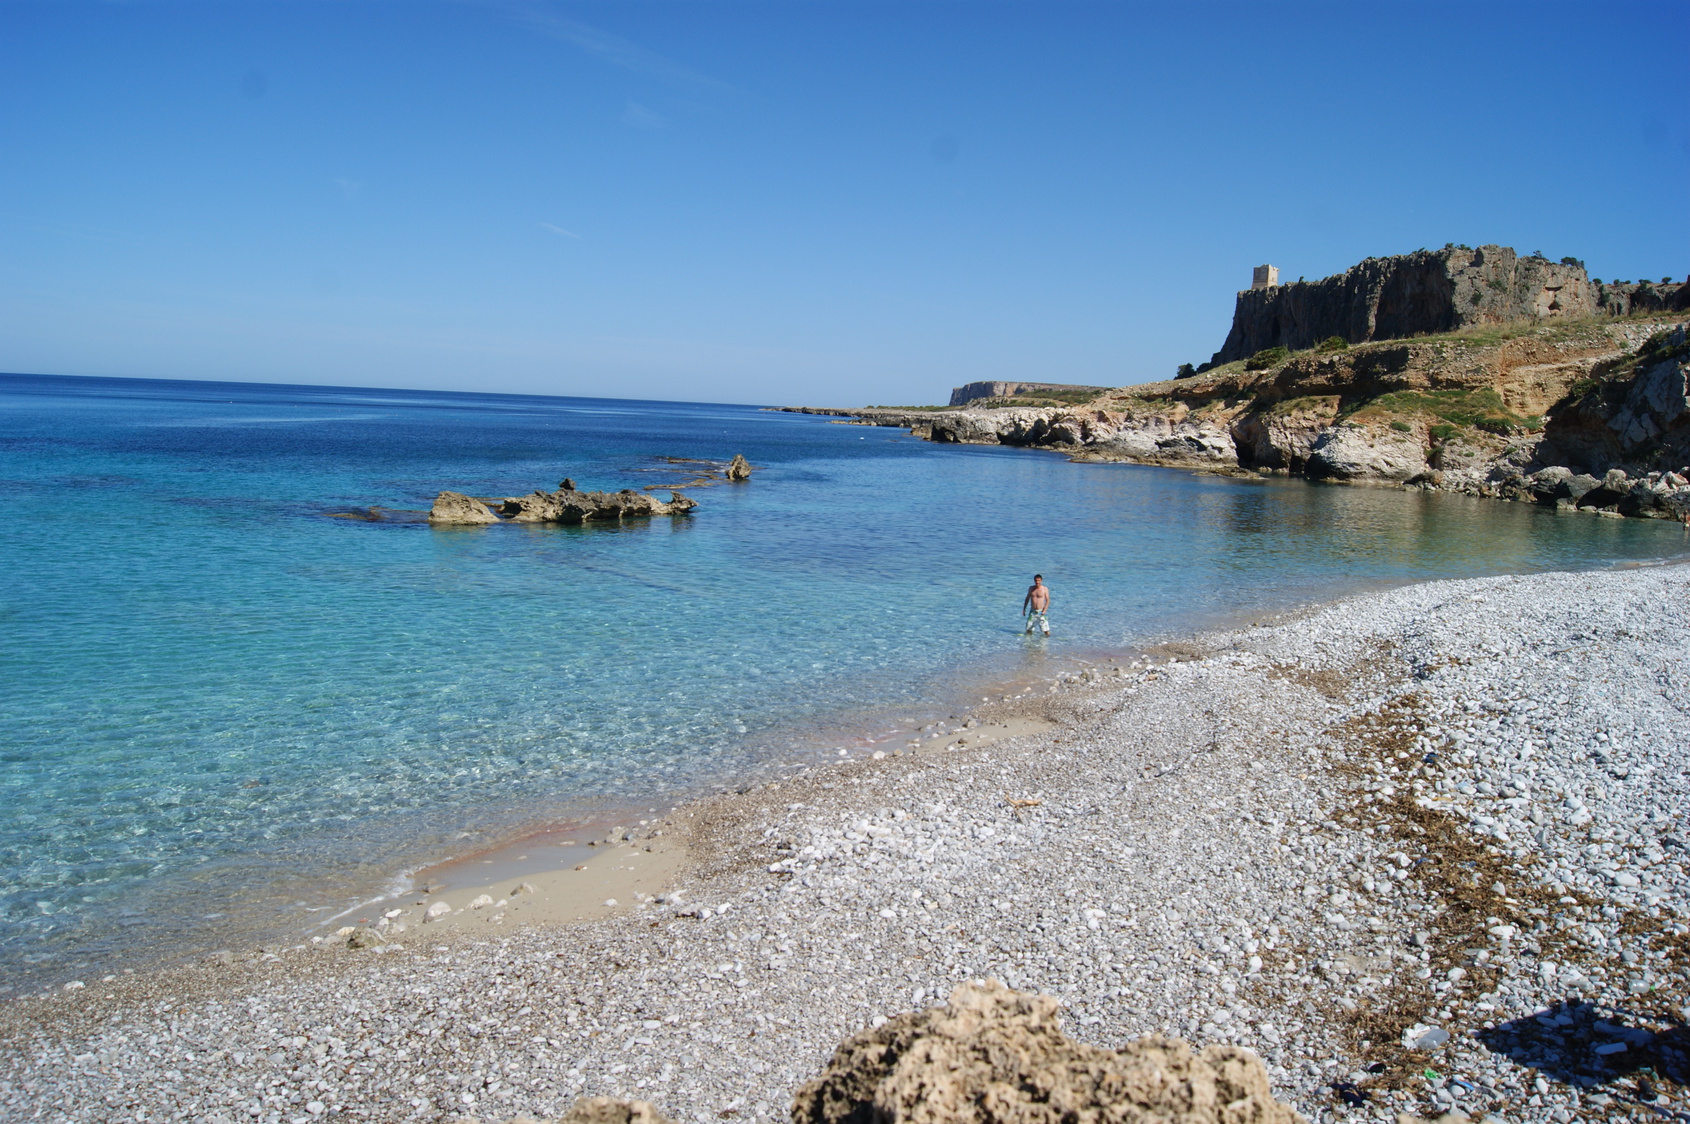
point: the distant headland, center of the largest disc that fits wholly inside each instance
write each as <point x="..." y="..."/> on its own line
<point x="1472" y="370"/>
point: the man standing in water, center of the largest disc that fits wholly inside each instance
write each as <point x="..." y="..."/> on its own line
<point x="1035" y="604"/>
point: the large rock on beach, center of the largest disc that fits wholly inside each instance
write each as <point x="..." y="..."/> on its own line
<point x="455" y="507"/>
<point x="996" y="1056"/>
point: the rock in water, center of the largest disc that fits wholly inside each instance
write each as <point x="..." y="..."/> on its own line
<point x="996" y="1056"/>
<point x="568" y="484"/>
<point x="739" y="468"/>
<point x="455" y="507"/>
<point x="590" y="507"/>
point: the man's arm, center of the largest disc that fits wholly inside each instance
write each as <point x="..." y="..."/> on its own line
<point x="1027" y="601"/>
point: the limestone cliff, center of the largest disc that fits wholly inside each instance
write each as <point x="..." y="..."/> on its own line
<point x="1431" y="292"/>
<point x="1515" y="413"/>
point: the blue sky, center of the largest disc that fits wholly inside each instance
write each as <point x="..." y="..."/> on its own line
<point x="828" y="203"/>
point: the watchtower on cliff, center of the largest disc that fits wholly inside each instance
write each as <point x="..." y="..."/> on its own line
<point x="1264" y="277"/>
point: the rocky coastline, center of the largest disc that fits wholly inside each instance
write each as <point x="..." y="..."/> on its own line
<point x="1589" y="415"/>
<point x="1420" y="850"/>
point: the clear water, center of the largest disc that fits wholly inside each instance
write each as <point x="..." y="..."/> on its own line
<point x="217" y="702"/>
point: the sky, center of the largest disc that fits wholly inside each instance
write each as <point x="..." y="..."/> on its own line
<point x="786" y="203"/>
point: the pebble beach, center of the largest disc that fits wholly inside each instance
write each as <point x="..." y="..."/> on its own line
<point x="1423" y="850"/>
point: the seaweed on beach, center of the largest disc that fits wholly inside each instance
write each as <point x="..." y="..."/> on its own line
<point x="1459" y="872"/>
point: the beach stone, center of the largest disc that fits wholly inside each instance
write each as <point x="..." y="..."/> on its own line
<point x="457" y="508"/>
<point x="997" y="1056"/>
<point x="363" y="938"/>
<point x="482" y="901"/>
<point x="588" y="1110"/>
<point x="436" y="911"/>
<point x="609" y="1110"/>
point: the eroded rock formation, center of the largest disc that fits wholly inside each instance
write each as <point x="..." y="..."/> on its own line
<point x="1516" y="417"/>
<point x="1429" y="292"/>
<point x="738" y="469"/>
<point x="996" y="1056"/>
<point x="566" y="505"/>
<point x="455" y="507"/>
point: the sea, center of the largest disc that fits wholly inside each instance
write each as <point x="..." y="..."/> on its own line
<point x="229" y="712"/>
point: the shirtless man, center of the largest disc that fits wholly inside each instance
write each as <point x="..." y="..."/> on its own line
<point x="1035" y="604"/>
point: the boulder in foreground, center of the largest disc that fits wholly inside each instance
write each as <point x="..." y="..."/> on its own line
<point x="996" y="1056"/>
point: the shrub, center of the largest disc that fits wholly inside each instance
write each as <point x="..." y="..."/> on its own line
<point x="1184" y="371"/>
<point x="1268" y="357"/>
<point x="1441" y="433"/>
<point x="1333" y="343"/>
<point x="1502" y="427"/>
<point x="1402" y="427"/>
<point x="1570" y="260"/>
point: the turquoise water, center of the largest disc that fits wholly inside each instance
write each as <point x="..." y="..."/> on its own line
<point x="219" y="704"/>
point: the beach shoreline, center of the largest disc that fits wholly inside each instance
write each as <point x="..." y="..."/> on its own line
<point x="1204" y="845"/>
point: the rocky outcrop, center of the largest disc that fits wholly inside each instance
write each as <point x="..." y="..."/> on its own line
<point x="996" y="1056"/>
<point x="1429" y="292"/>
<point x="1638" y="419"/>
<point x="1640" y="298"/>
<point x="457" y="508"/>
<point x="564" y="506"/>
<point x="738" y="469"/>
<point x="1353" y="452"/>
<point x="979" y="391"/>
<point x="1485" y="417"/>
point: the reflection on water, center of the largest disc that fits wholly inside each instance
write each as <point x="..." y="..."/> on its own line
<point x="218" y="700"/>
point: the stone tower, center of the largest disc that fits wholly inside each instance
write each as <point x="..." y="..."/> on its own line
<point x="1264" y="277"/>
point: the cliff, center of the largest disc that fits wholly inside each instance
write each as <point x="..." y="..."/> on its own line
<point x="1591" y="414"/>
<point x="1431" y="292"/>
<point x="1043" y="393"/>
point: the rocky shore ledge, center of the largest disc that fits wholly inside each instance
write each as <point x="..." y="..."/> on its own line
<point x="1587" y="415"/>
<point x="1421" y="850"/>
<point x="566" y="505"/>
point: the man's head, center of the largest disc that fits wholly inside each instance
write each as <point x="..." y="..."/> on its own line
<point x="1038" y="579"/>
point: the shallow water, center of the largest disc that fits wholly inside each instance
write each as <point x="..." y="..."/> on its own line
<point x="219" y="705"/>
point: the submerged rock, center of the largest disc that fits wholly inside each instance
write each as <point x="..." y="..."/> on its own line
<point x="996" y="1056"/>
<point x="455" y="507"/>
